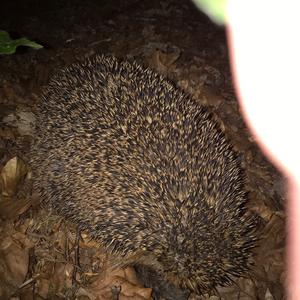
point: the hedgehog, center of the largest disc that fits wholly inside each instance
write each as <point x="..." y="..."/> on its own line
<point x="145" y="170"/>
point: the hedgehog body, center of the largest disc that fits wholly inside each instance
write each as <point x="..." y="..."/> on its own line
<point x="145" y="170"/>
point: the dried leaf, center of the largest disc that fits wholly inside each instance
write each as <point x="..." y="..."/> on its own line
<point x="162" y="60"/>
<point x="14" y="258"/>
<point x="11" y="208"/>
<point x="22" y="120"/>
<point x="122" y="280"/>
<point x="42" y="287"/>
<point x="268" y="295"/>
<point x="11" y="175"/>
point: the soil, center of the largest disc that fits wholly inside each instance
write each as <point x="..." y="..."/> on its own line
<point x="43" y="256"/>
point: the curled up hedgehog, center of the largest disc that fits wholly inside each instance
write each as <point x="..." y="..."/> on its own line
<point x="145" y="170"/>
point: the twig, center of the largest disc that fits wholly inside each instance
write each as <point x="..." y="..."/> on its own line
<point x="76" y="257"/>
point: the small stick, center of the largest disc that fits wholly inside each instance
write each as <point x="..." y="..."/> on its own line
<point x="76" y="257"/>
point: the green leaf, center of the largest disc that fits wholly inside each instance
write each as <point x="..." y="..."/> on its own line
<point x="215" y="9"/>
<point x="9" y="46"/>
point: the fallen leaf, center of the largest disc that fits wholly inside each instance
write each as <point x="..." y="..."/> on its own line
<point x="14" y="258"/>
<point x="11" y="175"/>
<point x="121" y="281"/>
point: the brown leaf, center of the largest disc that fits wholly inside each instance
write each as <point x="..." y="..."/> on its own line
<point x="120" y="281"/>
<point x="22" y="120"/>
<point x="11" y="175"/>
<point x="14" y="257"/>
<point x="55" y="278"/>
<point x="10" y="207"/>
<point x="42" y="287"/>
<point x="161" y="60"/>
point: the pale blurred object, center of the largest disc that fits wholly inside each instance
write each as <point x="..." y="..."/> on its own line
<point x="264" y="43"/>
<point x="215" y="9"/>
<point x="265" y="48"/>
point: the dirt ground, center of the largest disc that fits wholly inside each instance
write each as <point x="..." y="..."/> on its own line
<point x="41" y="255"/>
